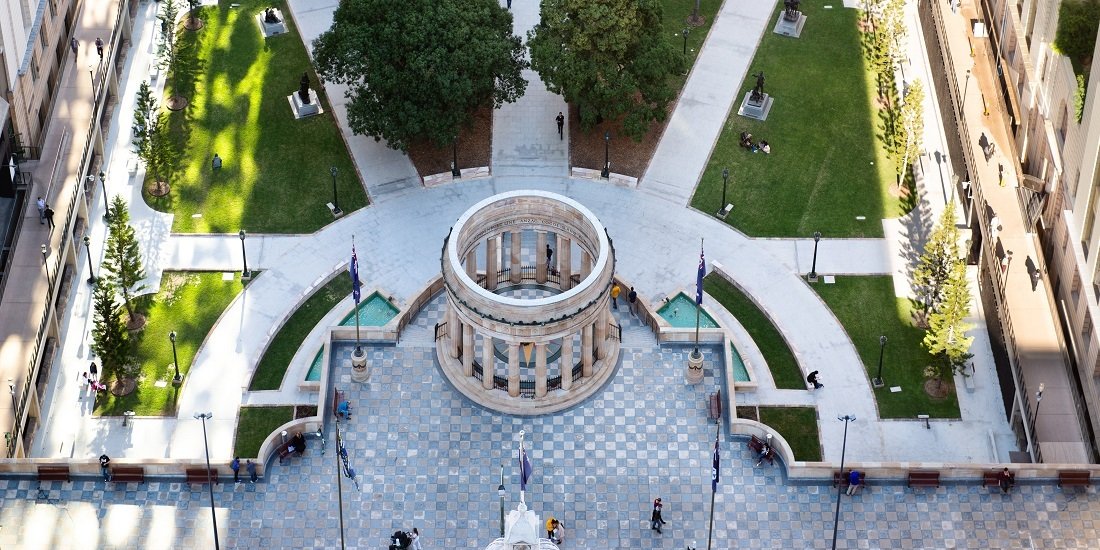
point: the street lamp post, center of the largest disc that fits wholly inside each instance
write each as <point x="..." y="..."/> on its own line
<point x="335" y="200"/>
<point x="877" y="382"/>
<point x="966" y="86"/>
<point x="91" y="268"/>
<point x="725" y="182"/>
<point x="11" y="390"/>
<point x="175" y="360"/>
<point x="106" y="199"/>
<point x="839" y="486"/>
<point x="500" y="491"/>
<point x="209" y="479"/>
<point x="813" y="266"/>
<point x="244" y="255"/>
<point x="684" y="33"/>
<point x="455" y="172"/>
<point x="606" y="173"/>
<point x="46" y="265"/>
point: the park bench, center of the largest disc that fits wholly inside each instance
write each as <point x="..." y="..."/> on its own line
<point x="841" y="479"/>
<point x="1073" y="478"/>
<point x="757" y="445"/>
<point x="338" y="398"/>
<point x="128" y="474"/>
<point x="53" y="473"/>
<point x="991" y="479"/>
<point x="199" y="475"/>
<point x="714" y="406"/>
<point x="924" y="478"/>
<point x="284" y="451"/>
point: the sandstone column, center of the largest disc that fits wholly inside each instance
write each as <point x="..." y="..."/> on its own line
<point x="600" y="335"/>
<point x="565" y="262"/>
<point x="471" y="264"/>
<point x="468" y="350"/>
<point x="567" y="362"/>
<point x="586" y="351"/>
<point x="517" y="251"/>
<point x="586" y="264"/>
<point x="454" y="332"/>
<point x="487" y="362"/>
<point x="540" y="370"/>
<point x="513" y="369"/>
<point x="491" y="263"/>
<point x="540" y="258"/>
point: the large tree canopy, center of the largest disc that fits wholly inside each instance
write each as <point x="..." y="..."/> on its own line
<point x="418" y="68"/>
<point x="608" y="57"/>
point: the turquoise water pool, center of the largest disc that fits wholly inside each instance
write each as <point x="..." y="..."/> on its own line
<point x="680" y="313"/>
<point x="740" y="373"/>
<point x="375" y="311"/>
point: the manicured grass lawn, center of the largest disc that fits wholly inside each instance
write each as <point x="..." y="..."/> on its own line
<point x="188" y="303"/>
<point x="254" y="425"/>
<point x="273" y="364"/>
<point x="827" y="164"/>
<point x="275" y="175"/>
<point x="867" y="308"/>
<point x="773" y="346"/>
<point x="798" y="425"/>
<point x="675" y="15"/>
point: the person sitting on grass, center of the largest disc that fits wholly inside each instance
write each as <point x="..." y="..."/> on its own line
<point x="746" y="140"/>
<point x="765" y="146"/>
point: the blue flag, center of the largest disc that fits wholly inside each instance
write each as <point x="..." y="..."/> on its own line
<point x="524" y="469"/>
<point x="355" y="290"/>
<point x="699" y="278"/>
<point x="715" y="468"/>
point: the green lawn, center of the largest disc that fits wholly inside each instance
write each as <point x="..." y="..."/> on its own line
<point x="674" y="18"/>
<point x="188" y="303"/>
<point x="273" y="364"/>
<point x="867" y="308"/>
<point x="275" y="176"/>
<point x="255" y="424"/>
<point x="798" y="425"/>
<point x="827" y="164"/>
<point x="781" y="362"/>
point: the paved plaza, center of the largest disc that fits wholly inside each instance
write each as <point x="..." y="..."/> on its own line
<point x="426" y="457"/>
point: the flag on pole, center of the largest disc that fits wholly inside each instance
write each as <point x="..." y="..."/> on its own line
<point x="715" y="467"/>
<point x="699" y="277"/>
<point x="524" y="468"/>
<point x="355" y="290"/>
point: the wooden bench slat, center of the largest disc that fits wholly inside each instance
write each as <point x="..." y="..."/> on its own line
<point x="53" y="473"/>
<point x="1073" y="478"/>
<point x="199" y="475"/>
<point x="128" y="474"/>
<point x="924" y="479"/>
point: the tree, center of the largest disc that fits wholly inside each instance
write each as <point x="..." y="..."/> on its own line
<point x="109" y="339"/>
<point x="144" y="113"/>
<point x="166" y="51"/>
<point x="938" y="261"/>
<point x="192" y="7"/>
<point x="909" y="130"/>
<point x="892" y="26"/>
<point x="608" y="57"/>
<point x="946" y="338"/>
<point x="159" y="154"/>
<point x="418" y="69"/>
<point x="123" y="256"/>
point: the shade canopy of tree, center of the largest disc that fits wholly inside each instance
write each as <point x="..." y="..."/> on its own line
<point x="109" y="338"/>
<point x="941" y="253"/>
<point x="909" y="129"/>
<point x="122" y="261"/>
<point x="607" y="57"/>
<point x="418" y="69"/>
<point x="946" y="338"/>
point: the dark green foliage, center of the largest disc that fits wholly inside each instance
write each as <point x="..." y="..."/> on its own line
<point x="1075" y="37"/>
<point x="608" y="57"/>
<point x="946" y="338"/>
<point x="144" y="113"/>
<point x="109" y="338"/>
<point x="417" y="69"/>
<point x="937" y="262"/>
<point x="166" y="51"/>
<point x="122" y="259"/>
<point x="1079" y="98"/>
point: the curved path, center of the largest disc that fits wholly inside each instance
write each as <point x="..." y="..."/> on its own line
<point x="656" y="235"/>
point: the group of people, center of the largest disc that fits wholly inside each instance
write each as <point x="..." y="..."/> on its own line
<point x="45" y="213"/>
<point x="755" y="147"/>
<point x="400" y="540"/>
<point x="91" y="378"/>
<point x="555" y="531"/>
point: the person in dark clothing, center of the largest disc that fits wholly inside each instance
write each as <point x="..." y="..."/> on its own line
<point x="632" y="299"/>
<point x="235" y="465"/>
<point x="48" y="214"/>
<point x="815" y="380"/>
<point x="655" y="520"/>
<point x="94" y="370"/>
<point x="1007" y="479"/>
<point x="105" y="466"/>
<point x="299" y="443"/>
<point x="561" y="125"/>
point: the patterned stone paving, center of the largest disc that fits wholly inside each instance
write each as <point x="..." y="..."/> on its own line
<point x="425" y="457"/>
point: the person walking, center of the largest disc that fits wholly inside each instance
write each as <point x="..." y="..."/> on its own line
<point x="415" y="535"/>
<point x="632" y="298"/>
<point x="550" y="260"/>
<point x="104" y="466"/>
<point x="99" y="47"/>
<point x="250" y="467"/>
<point x="551" y="524"/>
<point x="853" y="482"/>
<point x="814" y="379"/>
<point x="509" y="4"/>
<point x="655" y="520"/>
<point x="94" y="370"/>
<point x="236" y="467"/>
<point x="48" y="214"/>
<point x="561" y="125"/>
<point x="73" y="44"/>
<point x="41" y="204"/>
<point x="615" y="290"/>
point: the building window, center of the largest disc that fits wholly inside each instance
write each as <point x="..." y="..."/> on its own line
<point x="1063" y="126"/>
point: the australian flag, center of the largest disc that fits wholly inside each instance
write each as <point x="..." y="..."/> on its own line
<point x="715" y="468"/>
<point x="525" y="469"/>
<point x="355" y="285"/>
<point x="699" y="278"/>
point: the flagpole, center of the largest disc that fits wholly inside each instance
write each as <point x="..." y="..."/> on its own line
<point x="713" y="491"/>
<point x="698" y="301"/>
<point x="522" y="486"/>
<point x="355" y="283"/>
<point x="339" y="483"/>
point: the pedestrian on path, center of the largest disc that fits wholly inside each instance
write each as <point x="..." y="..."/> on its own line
<point x="561" y="125"/>
<point x="632" y="298"/>
<point x="814" y="379"/>
<point x="216" y="162"/>
<point x="853" y="482"/>
<point x="99" y="47"/>
<point x="415" y="535"/>
<point x="94" y="370"/>
<point x="615" y="290"/>
<point x="236" y="467"/>
<point x="48" y="214"/>
<point x="551" y="524"/>
<point x="509" y="4"/>
<point x="104" y="466"/>
<point x="41" y="204"/>
<point x="73" y="44"/>
<point x="549" y="256"/>
<point x="250" y="467"/>
<point x="655" y="520"/>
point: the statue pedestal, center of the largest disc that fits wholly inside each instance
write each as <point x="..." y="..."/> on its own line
<point x="360" y="372"/>
<point x="302" y="110"/>
<point x="694" y="373"/>
<point x="755" y="109"/>
<point x="790" y="26"/>
<point x="271" y="29"/>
